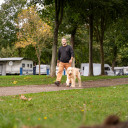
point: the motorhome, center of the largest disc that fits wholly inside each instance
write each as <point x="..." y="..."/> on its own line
<point x="96" y="69"/>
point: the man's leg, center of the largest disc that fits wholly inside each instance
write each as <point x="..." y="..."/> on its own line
<point x="66" y="66"/>
<point x="59" y="74"/>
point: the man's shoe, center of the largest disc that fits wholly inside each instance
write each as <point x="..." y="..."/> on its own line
<point x="57" y="83"/>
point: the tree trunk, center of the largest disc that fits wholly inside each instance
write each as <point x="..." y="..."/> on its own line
<point x="113" y="64"/>
<point x="72" y="41"/>
<point x="114" y="57"/>
<point x="39" y="64"/>
<point x="19" y="52"/>
<point x="54" y="52"/>
<point x="101" y="44"/>
<point x="58" y="20"/>
<point x="90" y="45"/>
<point x="38" y="54"/>
<point x="102" y="57"/>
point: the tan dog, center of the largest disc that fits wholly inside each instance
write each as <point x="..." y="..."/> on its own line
<point x="72" y="74"/>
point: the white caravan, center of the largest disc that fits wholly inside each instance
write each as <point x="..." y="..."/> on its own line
<point x="13" y="65"/>
<point x="121" y="71"/>
<point x="64" y="71"/>
<point x="125" y="70"/>
<point x="96" y="69"/>
<point x="43" y="69"/>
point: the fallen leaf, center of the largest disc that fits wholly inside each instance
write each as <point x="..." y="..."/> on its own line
<point x="14" y="82"/>
<point x="22" y="97"/>
<point x="29" y="99"/>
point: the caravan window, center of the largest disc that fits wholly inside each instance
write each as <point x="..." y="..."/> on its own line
<point x="83" y="68"/>
<point x="23" y="65"/>
<point x="27" y="65"/>
<point x="30" y="65"/>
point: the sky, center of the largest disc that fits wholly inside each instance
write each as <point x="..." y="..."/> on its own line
<point x="1" y="1"/>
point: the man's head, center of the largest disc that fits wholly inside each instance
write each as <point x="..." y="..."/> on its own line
<point x="64" y="41"/>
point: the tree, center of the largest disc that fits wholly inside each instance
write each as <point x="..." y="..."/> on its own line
<point x="57" y="19"/>
<point x="8" y="13"/>
<point x="115" y="43"/>
<point x="106" y="13"/>
<point x="59" y="5"/>
<point x="91" y="39"/>
<point x="32" y="31"/>
<point x="72" y="21"/>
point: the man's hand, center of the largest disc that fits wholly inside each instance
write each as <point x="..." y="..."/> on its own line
<point x="70" y="61"/>
<point x="57" y="64"/>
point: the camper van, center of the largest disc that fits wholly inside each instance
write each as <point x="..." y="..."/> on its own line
<point x="43" y="69"/>
<point x="96" y="69"/>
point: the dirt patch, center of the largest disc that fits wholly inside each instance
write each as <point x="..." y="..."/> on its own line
<point x="5" y="91"/>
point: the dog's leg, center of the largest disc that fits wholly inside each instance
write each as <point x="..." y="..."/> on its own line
<point x="79" y="80"/>
<point x="67" y="82"/>
<point x="73" y="82"/>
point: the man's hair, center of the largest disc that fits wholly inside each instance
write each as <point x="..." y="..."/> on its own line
<point x="64" y="38"/>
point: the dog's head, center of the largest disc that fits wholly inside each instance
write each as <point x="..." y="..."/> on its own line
<point x="69" y="71"/>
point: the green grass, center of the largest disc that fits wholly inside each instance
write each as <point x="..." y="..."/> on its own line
<point x="64" y="109"/>
<point x="43" y="79"/>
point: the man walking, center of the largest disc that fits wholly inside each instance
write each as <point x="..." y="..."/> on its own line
<point x="65" y="58"/>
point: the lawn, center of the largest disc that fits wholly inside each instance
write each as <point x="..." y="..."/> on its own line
<point x="43" y="79"/>
<point x="64" y="109"/>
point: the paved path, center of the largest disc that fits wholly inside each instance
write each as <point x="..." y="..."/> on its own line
<point x="5" y="91"/>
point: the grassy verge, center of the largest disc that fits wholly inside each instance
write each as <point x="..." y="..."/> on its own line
<point x="64" y="108"/>
<point x="43" y="79"/>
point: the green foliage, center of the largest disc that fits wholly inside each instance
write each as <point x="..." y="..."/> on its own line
<point x="75" y="17"/>
<point x="9" y="11"/>
<point x="116" y="43"/>
<point x="8" y="52"/>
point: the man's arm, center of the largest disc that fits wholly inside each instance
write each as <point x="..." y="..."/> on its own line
<point x="58" y="57"/>
<point x="71" y="51"/>
<point x="72" y="55"/>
